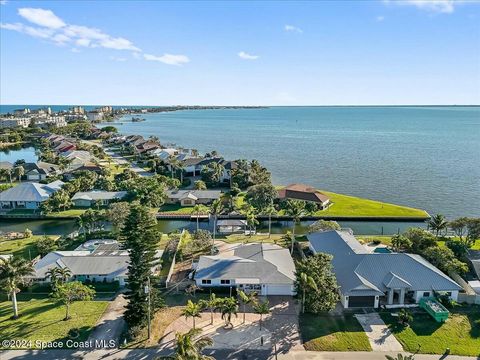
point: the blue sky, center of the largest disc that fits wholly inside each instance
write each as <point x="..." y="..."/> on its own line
<point x="240" y="53"/>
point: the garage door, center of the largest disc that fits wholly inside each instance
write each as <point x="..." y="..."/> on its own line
<point x="361" y="301"/>
<point x="278" y="290"/>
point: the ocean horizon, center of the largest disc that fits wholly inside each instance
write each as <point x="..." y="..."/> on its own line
<point x="420" y="156"/>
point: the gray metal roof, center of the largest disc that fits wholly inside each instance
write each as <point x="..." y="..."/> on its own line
<point x="99" y="195"/>
<point x="270" y="264"/>
<point x="199" y="194"/>
<point x="31" y="191"/>
<point x="358" y="270"/>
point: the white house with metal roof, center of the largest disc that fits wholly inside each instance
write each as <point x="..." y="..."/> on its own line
<point x="28" y="195"/>
<point x="88" y="198"/>
<point x="265" y="268"/>
<point x="369" y="279"/>
<point x="192" y="197"/>
<point x="101" y="261"/>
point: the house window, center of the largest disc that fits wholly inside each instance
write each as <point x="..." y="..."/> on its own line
<point x="225" y="282"/>
<point x="449" y="293"/>
<point x="426" y="294"/>
<point x="206" y="282"/>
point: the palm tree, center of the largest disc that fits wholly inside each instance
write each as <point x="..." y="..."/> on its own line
<point x="215" y="209"/>
<point x="438" y="223"/>
<point x="295" y="209"/>
<point x="262" y="308"/>
<point x="228" y="307"/>
<point x="192" y="310"/>
<point x="252" y="221"/>
<point x="64" y="274"/>
<point x="270" y="210"/>
<point x="211" y="304"/>
<point x="306" y="283"/>
<point x="246" y="299"/>
<point x="189" y="346"/>
<point x="13" y="273"/>
<point x="19" y="171"/>
<point x="54" y="275"/>
<point x="180" y="167"/>
<point x="173" y="162"/>
<point x="197" y="210"/>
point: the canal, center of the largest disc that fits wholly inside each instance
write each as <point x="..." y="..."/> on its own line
<point x="58" y="226"/>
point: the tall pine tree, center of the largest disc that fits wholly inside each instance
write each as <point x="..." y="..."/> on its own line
<point x="140" y="238"/>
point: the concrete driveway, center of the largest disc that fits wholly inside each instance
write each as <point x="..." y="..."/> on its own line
<point x="378" y="333"/>
<point x="279" y="329"/>
<point x="110" y="326"/>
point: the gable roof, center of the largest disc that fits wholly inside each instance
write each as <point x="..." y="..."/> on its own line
<point x="266" y="263"/>
<point x="354" y="266"/>
<point x="99" y="195"/>
<point x="192" y="194"/>
<point x="302" y="192"/>
<point x="31" y="192"/>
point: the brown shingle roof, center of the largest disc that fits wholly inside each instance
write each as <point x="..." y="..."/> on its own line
<point x="302" y="192"/>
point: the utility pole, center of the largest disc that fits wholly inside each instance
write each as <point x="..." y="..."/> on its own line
<point x="147" y="291"/>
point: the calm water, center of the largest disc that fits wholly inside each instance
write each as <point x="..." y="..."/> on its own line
<point x="53" y="227"/>
<point x="27" y="154"/>
<point x="426" y="157"/>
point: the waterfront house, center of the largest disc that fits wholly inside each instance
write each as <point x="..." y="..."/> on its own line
<point x="90" y="198"/>
<point x="267" y="269"/>
<point x="304" y="193"/>
<point x="192" y="197"/>
<point x="97" y="261"/>
<point x="28" y="195"/>
<point x="372" y="279"/>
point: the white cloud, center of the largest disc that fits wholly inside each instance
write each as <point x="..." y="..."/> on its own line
<point x="380" y="18"/>
<point x="75" y="50"/>
<point x="118" y="44"/>
<point x="247" y="56"/>
<point x="51" y="27"/>
<point x="41" y="17"/>
<point x="292" y="28"/>
<point x="37" y="32"/>
<point x="3" y="2"/>
<point x="169" y="59"/>
<point x="83" y="42"/>
<point x="437" y="6"/>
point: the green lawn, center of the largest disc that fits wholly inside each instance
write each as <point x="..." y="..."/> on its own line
<point x="175" y="209"/>
<point x="73" y="213"/>
<point x="43" y="320"/>
<point x="345" y="205"/>
<point x="460" y="333"/>
<point x="21" y="247"/>
<point x="387" y="240"/>
<point x="333" y="333"/>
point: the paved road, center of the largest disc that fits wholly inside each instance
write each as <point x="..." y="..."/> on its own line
<point x="110" y="326"/>
<point x="144" y="354"/>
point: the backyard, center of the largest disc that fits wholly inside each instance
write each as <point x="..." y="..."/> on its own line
<point x="21" y="247"/>
<point x="43" y="320"/>
<point x="345" y="205"/>
<point x="332" y="333"/>
<point x="460" y="333"/>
